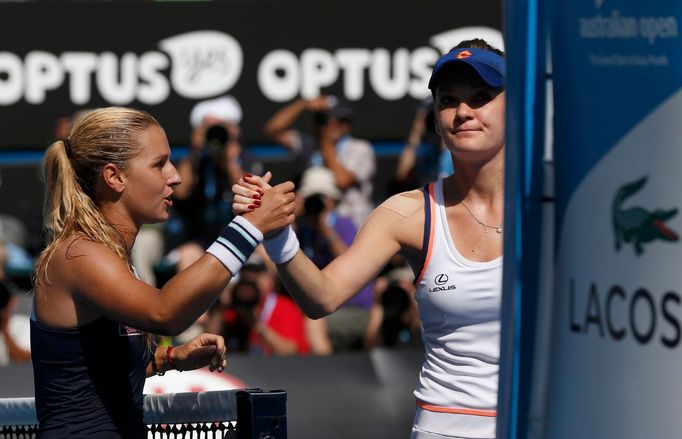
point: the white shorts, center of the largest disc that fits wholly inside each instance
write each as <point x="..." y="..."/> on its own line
<point x="436" y="425"/>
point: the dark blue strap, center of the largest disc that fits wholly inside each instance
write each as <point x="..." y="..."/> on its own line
<point x="427" y="231"/>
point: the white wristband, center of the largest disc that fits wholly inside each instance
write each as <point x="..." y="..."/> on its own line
<point x="283" y="246"/>
<point x="235" y="244"/>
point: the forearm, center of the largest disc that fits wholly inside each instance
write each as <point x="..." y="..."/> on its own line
<point x="284" y="119"/>
<point x="406" y="162"/>
<point x="189" y="293"/>
<point x="408" y="157"/>
<point x="311" y="288"/>
<point x="344" y="178"/>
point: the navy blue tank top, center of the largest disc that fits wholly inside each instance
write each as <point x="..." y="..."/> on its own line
<point x="89" y="380"/>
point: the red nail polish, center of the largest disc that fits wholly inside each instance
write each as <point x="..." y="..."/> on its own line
<point x="256" y="202"/>
<point x="260" y="191"/>
<point x="252" y="206"/>
<point x="247" y="175"/>
<point x="256" y="196"/>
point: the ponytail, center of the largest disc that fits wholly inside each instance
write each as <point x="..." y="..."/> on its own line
<point x="71" y="170"/>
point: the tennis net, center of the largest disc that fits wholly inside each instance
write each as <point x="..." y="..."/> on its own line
<point x="239" y="414"/>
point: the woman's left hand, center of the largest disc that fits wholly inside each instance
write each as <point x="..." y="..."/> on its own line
<point x="204" y="350"/>
<point x="247" y="191"/>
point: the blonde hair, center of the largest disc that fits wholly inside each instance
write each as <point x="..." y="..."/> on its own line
<point x="71" y="170"/>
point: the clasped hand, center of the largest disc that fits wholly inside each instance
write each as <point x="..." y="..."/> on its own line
<point x="269" y="208"/>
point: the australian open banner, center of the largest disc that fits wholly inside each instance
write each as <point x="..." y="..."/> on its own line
<point x="615" y="364"/>
<point x="59" y="57"/>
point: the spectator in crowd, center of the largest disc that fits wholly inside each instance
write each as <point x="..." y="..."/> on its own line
<point x="424" y="158"/>
<point x="15" y="344"/>
<point x="215" y="162"/>
<point x="234" y="315"/>
<point x="329" y="144"/>
<point x="14" y="242"/>
<point x="278" y="327"/>
<point x="393" y="318"/>
<point x="324" y="234"/>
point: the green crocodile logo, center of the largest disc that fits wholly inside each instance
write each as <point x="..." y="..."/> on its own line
<point x="636" y="224"/>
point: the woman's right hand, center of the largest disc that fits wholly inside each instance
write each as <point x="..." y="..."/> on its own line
<point x="275" y="207"/>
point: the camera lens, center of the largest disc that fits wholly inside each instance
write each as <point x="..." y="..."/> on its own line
<point x="321" y="118"/>
<point x="216" y="137"/>
<point x="313" y="205"/>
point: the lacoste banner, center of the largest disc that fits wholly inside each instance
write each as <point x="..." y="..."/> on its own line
<point x="616" y="351"/>
<point x="58" y="57"/>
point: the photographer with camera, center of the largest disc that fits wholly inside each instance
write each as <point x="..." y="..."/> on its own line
<point x="324" y="234"/>
<point x="202" y="202"/>
<point x="215" y="162"/>
<point x="424" y="157"/>
<point x="329" y="143"/>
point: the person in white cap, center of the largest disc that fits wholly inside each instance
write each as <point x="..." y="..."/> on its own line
<point x="325" y="233"/>
<point x="450" y="233"/>
<point x="216" y="161"/>
<point x="330" y="144"/>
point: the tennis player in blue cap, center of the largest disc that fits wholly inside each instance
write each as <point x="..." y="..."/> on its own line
<point x="451" y="234"/>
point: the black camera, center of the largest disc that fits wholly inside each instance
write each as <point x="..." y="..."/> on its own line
<point x="313" y="205"/>
<point x="216" y="138"/>
<point x="321" y="118"/>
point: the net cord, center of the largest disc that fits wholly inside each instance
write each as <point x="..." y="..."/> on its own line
<point x="169" y="408"/>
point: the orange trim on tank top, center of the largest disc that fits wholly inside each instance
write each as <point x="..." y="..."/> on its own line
<point x="432" y="190"/>
<point x="456" y="410"/>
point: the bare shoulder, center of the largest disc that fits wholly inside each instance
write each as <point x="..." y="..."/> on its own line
<point x="404" y="214"/>
<point x="79" y="269"/>
<point x="78" y="258"/>
<point x="405" y="204"/>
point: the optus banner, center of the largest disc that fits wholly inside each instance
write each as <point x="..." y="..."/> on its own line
<point x="616" y="350"/>
<point x="57" y="58"/>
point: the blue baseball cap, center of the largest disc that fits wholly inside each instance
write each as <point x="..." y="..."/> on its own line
<point x="488" y="65"/>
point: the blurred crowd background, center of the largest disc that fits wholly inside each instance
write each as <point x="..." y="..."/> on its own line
<point x="347" y="145"/>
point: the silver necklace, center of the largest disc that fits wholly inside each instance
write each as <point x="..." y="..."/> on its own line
<point x="499" y="229"/>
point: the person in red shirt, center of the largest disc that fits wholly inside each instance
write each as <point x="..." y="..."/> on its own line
<point x="280" y="326"/>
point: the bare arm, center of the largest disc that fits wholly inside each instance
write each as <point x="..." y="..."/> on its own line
<point x="89" y="277"/>
<point x="321" y="292"/>
<point x="278" y="127"/>
<point x="394" y="226"/>
<point x="408" y="156"/>
<point x="335" y="243"/>
<point x="344" y="177"/>
<point x="203" y="350"/>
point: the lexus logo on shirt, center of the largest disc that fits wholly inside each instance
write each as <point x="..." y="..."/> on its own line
<point x="440" y="281"/>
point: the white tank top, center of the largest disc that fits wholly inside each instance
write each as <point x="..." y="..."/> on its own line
<point x="459" y="306"/>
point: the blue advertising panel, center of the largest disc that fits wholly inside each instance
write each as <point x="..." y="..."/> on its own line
<point x="524" y="124"/>
<point x="614" y="368"/>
